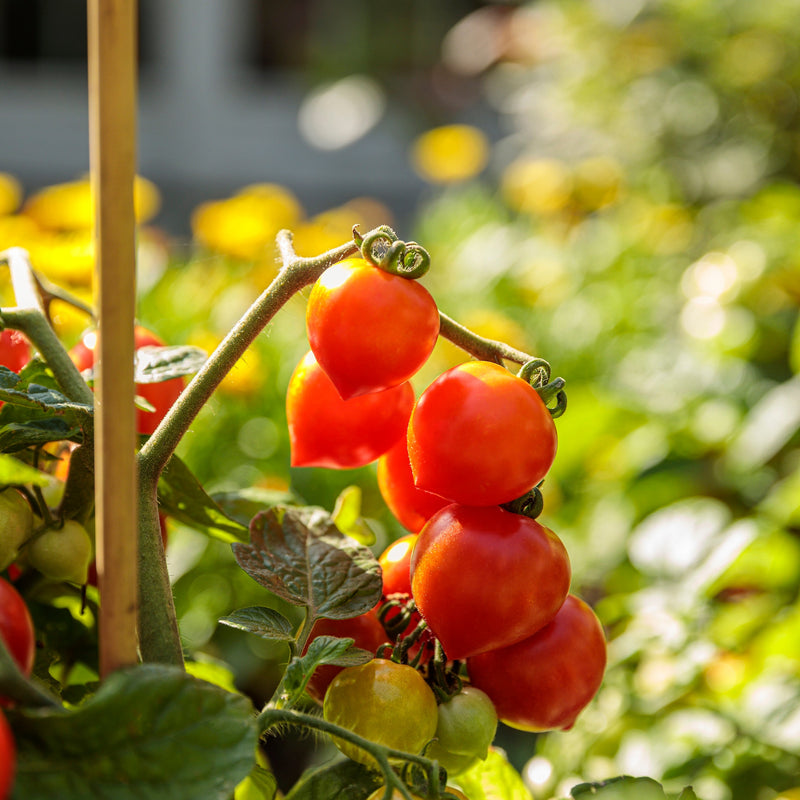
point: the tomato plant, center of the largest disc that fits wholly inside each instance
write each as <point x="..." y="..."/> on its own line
<point x="384" y="702"/>
<point x="369" y="330"/>
<point x="412" y="506"/>
<point x="543" y="682"/>
<point x="480" y="435"/>
<point x="326" y="431"/>
<point x="16" y="627"/>
<point x="160" y="395"/>
<point x="16" y="524"/>
<point x="7" y="759"/>
<point x="484" y="577"/>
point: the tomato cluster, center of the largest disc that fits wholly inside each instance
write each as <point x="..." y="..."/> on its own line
<point x="491" y="583"/>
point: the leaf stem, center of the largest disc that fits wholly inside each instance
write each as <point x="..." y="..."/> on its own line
<point x="478" y="346"/>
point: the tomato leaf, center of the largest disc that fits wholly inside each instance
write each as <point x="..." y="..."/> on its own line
<point x="181" y="496"/>
<point x="243" y="504"/>
<point x="301" y="556"/>
<point x="260" y="784"/>
<point x="19" y="435"/>
<point x="493" y="779"/>
<point x="150" y="731"/>
<point x="265" y="622"/>
<point x="347" y="516"/>
<point x="622" y="788"/>
<point x="344" y="780"/>
<point x="156" y="364"/>
<point x="17" y="390"/>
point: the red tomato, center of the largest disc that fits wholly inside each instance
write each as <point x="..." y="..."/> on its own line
<point x="160" y="395"/>
<point x="16" y="627"/>
<point x="365" y="631"/>
<point x="412" y="506"/>
<point x="543" y="682"/>
<point x="485" y="578"/>
<point x="480" y="435"/>
<point x="368" y="329"/>
<point x="15" y="351"/>
<point x="395" y="563"/>
<point x="8" y="759"/>
<point x="326" y="431"/>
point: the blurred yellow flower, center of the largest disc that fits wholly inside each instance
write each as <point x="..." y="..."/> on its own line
<point x="450" y="153"/>
<point x="17" y="230"/>
<point x="10" y="194"/>
<point x="64" y="257"/>
<point x="68" y="206"/>
<point x="597" y="182"/>
<point x="244" y="226"/>
<point x="536" y="185"/>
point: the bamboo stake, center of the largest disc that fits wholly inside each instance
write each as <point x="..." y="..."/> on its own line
<point x="112" y="135"/>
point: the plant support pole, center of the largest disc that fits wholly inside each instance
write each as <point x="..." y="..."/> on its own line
<point x="112" y="139"/>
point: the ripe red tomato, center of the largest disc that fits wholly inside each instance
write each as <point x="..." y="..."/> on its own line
<point x="480" y="435"/>
<point x="8" y="759"/>
<point x="369" y="330"/>
<point x="365" y="631"/>
<point x="326" y="431"/>
<point x="412" y="506"/>
<point x="160" y="395"/>
<point x="395" y="563"/>
<point x="15" y="350"/>
<point x="543" y="682"/>
<point x="485" y="578"/>
<point x="16" y="627"/>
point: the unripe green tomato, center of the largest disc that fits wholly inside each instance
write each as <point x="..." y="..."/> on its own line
<point x="465" y="729"/>
<point x="388" y="703"/>
<point x="62" y="554"/>
<point x="16" y="524"/>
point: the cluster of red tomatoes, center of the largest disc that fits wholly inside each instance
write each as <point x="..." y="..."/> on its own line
<point x="492" y="585"/>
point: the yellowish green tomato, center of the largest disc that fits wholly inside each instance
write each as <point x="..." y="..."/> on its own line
<point x="16" y="524"/>
<point x="62" y="554"/>
<point x="388" y="703"/>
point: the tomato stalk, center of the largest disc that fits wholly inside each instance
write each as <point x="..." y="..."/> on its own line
<point x="272" y="716"/>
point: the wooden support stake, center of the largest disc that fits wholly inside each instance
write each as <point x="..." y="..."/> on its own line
<point x="112" y="135"/>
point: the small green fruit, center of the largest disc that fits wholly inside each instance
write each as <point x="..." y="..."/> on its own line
<point x="16" y="524"/>
<point x="62" y="554"/>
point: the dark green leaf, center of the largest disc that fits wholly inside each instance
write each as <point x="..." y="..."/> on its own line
<point x="15" y="685"/>
<point x="622" y="788"/>
<point x="34" y="395"/>
<point x="181" y="496"/>
<point x="344" y="780"/>
<point x="244" y="504"/>
<point x="156" y="364"/>
<point x="16" y="436"/>
<point x="301" y="556"/>
<point x="150" y="732"/>
<point x="265" y="622"/>
<point x="493" y="779"/>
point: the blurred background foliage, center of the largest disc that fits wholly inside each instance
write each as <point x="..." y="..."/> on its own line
<point x="632" y="215"/>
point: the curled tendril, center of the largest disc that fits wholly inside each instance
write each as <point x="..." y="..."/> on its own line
<point x="554" y="390"/>
<point x="382" y="248"/>
<point x="536" y="372"/>
<point x="529" y="505"/>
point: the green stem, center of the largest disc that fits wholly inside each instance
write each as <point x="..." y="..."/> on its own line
<point x="478" y="346"/>
<point x="271" y="716"/>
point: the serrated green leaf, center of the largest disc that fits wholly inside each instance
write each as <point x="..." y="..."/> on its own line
<point x="623" y="787"/>
<point x="150" y="732"/>
<point x="344" y="780"/>
<point x="16" y="436"/>
<point x="181" y="496"/>
<point x="260" y="784"/>
<point x="243" y="504"/>
<point x="12" y="470"/>
<point x="347" y="516"/>
<point x="155" y="364"/>
<point x="302" y="557"/>
<point x="13" y="390"/>
<point x="493" y="779"/>
<point x="265" y="622"/>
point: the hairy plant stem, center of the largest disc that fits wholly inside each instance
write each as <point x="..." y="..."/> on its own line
<point x="271" y="716"/>
<point x="158" y="633"/>
<point x="478" y="346"/>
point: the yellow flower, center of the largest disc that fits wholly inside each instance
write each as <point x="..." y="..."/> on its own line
<point x="450" y="153"/>
<point x="537" y="186"/>
<point x="10" y="194"/>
